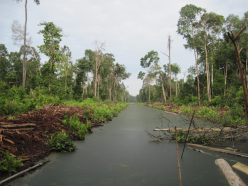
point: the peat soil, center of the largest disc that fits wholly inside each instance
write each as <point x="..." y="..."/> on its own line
<point x="29" y="142"/>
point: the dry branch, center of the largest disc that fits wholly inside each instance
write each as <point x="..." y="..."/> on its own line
<point x="20" y="173"/>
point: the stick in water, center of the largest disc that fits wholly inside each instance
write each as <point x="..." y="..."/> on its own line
<point x="187" y="134"/>
<point x="18" y="174"/>
<point x="179" y="169"/>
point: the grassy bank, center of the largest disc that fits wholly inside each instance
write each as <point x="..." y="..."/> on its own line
<point x="224" y="116"/>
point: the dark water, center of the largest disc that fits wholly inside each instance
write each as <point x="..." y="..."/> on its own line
<point x="121" y="153"/>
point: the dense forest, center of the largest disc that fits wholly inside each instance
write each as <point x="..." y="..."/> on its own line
<point x="215" y="79"/>
<point x="26" y="84"/>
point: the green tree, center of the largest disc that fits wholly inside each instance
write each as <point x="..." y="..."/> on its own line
<point x="4" y="62"/>
<point x="175" y="69"/>
<point x="150" y="60"/>
<point x="186" y="22"/>
<point x="52" y="37"/>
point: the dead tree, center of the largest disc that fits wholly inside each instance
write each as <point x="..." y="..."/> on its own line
<point x="241" y="69"/>
<point x="99" y="47"/>
<point x="169" y="47"/>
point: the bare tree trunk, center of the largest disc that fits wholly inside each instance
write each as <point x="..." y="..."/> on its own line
<point x="241" y="69"/>
<point x="169" y="46"/>
<point x="212" y="79"/>
<point x="65" y="77"/>
<point x="96" y="79"/>
<point x="149" y="92"/>
<point x="199" y="99"/>
<point x="246" y="67"/>
<point x="50" y="76"/>
<point x="98" y="86"/>
<point x="225" y="74"/>
<point x="110" y="94"/>
<point x="207" y="70"/>
<point x="163" y="90"/>
<point x="176" y="87"/>
<point x="24" y="48"/>
<point x="83" y="93"/>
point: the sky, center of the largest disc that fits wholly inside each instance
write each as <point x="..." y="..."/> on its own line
<point x="130" y="28"/>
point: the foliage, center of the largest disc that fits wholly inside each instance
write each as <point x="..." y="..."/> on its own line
<point x="181" y="137"/>
<point x="11" y="117"/>
<point x="9" y="163"/>
<point x="60" y="141"/>
<point x="78" y="128"/>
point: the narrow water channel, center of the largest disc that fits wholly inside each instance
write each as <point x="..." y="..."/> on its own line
<point x="121" y="153"/>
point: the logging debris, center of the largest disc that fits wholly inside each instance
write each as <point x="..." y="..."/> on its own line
<point x="26" y="134"/>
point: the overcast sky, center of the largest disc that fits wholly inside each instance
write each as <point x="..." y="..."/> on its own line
<point x="130" y="28"/>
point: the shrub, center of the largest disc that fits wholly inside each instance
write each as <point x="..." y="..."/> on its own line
<point x="60" y="141"/>
<point x="78" y="128"/>
<point x="9" y="163"/>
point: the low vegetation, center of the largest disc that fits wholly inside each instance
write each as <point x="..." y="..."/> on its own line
<point x="224" y="116"/>
<point x="9" y="163"/>
<point x="60" y="141"/>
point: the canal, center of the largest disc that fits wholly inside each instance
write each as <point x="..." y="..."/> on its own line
<point x="121" y="153"/>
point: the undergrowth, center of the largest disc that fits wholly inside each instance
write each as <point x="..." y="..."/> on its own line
<point x="9" y="163"/>
<point x="60" y="141"/>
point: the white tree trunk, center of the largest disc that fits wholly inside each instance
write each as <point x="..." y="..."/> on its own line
<point x="24" y="48"/>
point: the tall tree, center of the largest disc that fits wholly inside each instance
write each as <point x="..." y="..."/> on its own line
<point x="99" y="48"/>
<point x="24" y="48"/>
<point x="150" y="61"/>
<point x="175" y="69"/>
<point x="169" y="47"/>
<point x="52" y="37"/>
<point x="4" y="62"/>
<point x="186" y="22"/>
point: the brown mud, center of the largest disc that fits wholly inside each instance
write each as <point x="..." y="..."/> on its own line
<point x="28" y="141"/>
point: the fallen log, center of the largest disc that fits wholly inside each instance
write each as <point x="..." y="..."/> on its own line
<point x="221" y="150"/>
<point x="241" y="167"/>
<point x="18" y="125"/>
<point x="170" y="112"/>
<point x="20" y="173"/>
<point x="232" y="178"/>
<point x="19" y="129"/>
<point x="194" y="130"/>
<point x="4" y="123"/>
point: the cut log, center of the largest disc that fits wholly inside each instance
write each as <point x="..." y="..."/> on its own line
<point x="20" y="173"/>
<point x="194" y="130"/>
<point x="241" y="167"/>
<point x="232" y="178"/>
<point x="18" y="125"/>
<point x="221" y="150"/>
<point x="4" y="123"/>
<point x="19" y="129"/>
<point x="170" y="112"/>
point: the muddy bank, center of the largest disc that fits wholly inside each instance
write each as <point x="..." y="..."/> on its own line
<point x="26" y="134"/>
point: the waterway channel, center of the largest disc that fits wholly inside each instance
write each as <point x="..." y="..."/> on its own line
<point x="121" y="153"/>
